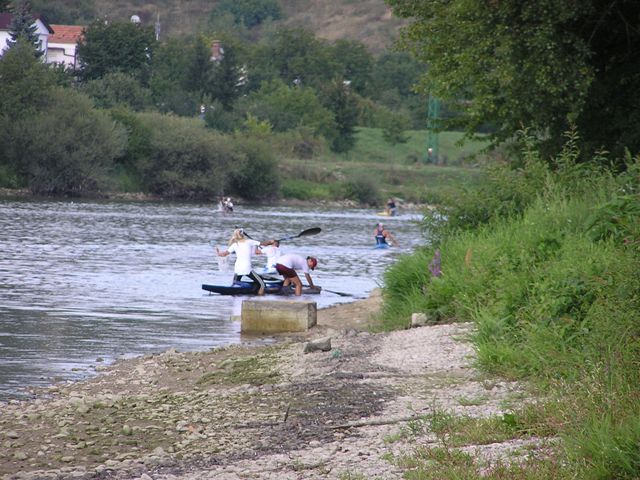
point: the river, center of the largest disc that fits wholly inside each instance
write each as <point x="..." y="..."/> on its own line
<point x="83" y="284"/>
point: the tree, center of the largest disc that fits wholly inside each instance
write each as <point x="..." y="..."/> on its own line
<point x="295" y="55"/>
<point x="342" y="102"/>
<point x="544" y="64"/>
<point x="117" y="89"/>
<point x="250" y="13"/>
<point x="287" y="107"/>
<point x="116" y="47"/>
<point x="354" y="63"/>
<point x="26" y="82"/>
<point x="67" y="147"/>
<point x="227" y="79"/>
<point x="23" y="28"/>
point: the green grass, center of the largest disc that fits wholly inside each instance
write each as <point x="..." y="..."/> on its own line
<point x="554" y="302"/>
<point x="396" y="171"/>
<point x="371" y="147"/>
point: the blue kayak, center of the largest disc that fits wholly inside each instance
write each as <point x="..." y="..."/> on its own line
<point x="382" y="245"/>
<point x="273" y="287"/>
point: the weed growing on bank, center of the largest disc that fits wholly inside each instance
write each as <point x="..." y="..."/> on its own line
<point x="551" y="282"/>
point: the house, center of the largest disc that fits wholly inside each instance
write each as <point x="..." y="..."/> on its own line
<point x="63" y="43"/>
<point x="43" y="30"/>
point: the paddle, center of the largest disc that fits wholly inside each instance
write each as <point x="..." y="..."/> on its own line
<point x="342" y="294"/>
<point x="304" y="233"/>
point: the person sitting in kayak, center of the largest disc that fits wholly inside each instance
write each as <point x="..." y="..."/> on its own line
<point x="244" y="248"/>
<point x="287" y="266"/>
<point x="383" y="236"/>
<point x="391" y="209"/>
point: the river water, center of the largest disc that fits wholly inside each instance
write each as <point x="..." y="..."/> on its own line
<point x="83" y="284"/>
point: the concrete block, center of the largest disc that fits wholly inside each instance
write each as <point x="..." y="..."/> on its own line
<point x="273" y="316"/>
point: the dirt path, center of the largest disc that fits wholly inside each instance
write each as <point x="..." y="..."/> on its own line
<point x="257" y="413"/>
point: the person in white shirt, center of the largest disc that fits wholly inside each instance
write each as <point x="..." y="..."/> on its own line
<point x="272" y="252"/>
<point x="287" y="266"/>
<point x="244" y="248"/>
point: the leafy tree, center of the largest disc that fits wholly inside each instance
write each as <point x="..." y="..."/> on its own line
<point x="66" y="12"/>
<point x="185" y="159"/>
<point x="26" y="82"/>
<point x="221" y="119"/>
<point x="289" y="107"/>
<point x="396" y="71"/>
<point x="295" y="55"/>
<point x="353" y="62"/>
<point x="67" y="147"/>
<point x="22" y="28"/>
<point x="118" y="89"/>
<point x="169" y="78"/>
<point x="4" y="5"/>
<point x="343" y="103"/>
<point x="227" y="78"/>
<point x="394" y="129"/>
<point x="199" y="66"/>
<point x="255" y="172"/>
<point x="250" y="13"/>
<point x="542" y="64"/>
<point x="116" y="47"/>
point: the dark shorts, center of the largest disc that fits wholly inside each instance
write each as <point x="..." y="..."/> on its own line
<point x="285" y="271"/>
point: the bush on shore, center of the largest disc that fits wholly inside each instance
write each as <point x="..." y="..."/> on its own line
<point x="551" y="282"/>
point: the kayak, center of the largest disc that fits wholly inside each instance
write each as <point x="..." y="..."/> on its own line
<point x="381" y="245"/>
<point x="251" y="288"/>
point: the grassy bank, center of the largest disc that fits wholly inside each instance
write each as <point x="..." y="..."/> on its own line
<point x="554" y="292"/>
<point x="375" y="170"/>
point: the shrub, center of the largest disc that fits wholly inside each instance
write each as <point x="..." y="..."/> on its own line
<point x="67" y="147"/>
<point x="185" y="159"/>
<point x="254" y="175"/>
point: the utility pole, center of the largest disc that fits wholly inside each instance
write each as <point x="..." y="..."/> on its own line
<point x="433" y="114"/>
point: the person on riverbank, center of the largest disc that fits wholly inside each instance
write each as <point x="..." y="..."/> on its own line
<point x="244" y="248"/>
<point x="288" y="264"/>
<point x="384" y="236"/>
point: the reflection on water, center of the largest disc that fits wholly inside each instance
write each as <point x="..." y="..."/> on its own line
<point x="86" y="283"/>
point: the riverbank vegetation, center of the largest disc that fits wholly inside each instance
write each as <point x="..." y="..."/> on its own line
<point x="544" y="258"/>
<point x="259" y="115"/>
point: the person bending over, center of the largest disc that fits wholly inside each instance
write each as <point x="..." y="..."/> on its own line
<point x="287" y="266"/>
<point x="244" y="248"/>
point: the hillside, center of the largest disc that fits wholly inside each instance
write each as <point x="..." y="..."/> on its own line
<point x="368" y="21"/>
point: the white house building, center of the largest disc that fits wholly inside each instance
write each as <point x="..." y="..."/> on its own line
<point x="43" y="30"/>
<point x="63" y="44"/>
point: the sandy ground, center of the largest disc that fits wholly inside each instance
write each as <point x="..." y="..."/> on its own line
<point x="270" y="412"/>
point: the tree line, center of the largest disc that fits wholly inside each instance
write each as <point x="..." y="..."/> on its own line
<point x="121" y="120"/>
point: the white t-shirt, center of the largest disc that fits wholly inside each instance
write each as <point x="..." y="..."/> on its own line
<point x="272" y="252"/>
<point x="244" y="253"/>
<point x="294" y="261"/>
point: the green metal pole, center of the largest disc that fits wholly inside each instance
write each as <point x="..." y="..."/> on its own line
<point x="433" y="113"/>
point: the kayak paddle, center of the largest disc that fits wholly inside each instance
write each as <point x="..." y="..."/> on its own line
<point x="304" y="233"/>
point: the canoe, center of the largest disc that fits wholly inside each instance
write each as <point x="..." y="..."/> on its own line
<point x="251" y="288"/>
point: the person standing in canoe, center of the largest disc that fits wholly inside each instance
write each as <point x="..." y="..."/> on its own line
<point x="382" y="236"/>
<point x="287" y="266"/>
<point x="244" y="248"/>
<point x="272" y="252"/>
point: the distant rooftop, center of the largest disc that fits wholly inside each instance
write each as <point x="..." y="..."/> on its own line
<point x="66" y="33"/>
<point x="5" y="21"/>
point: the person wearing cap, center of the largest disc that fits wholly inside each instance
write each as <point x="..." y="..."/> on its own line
<point x="287" y="266"/>
<point x="244" y="248"/>
<point x="382" y="236"/>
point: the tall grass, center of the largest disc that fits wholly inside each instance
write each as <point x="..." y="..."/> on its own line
<point x="554" y="291"/>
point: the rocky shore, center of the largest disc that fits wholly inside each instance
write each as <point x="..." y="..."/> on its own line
<point x="270" y="412"/>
